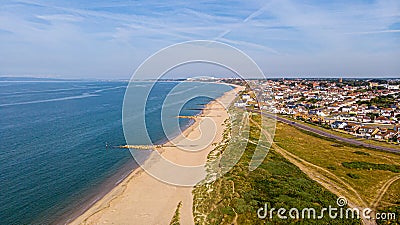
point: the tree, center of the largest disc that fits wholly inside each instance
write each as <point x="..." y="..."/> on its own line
<point x="372" y="116"/>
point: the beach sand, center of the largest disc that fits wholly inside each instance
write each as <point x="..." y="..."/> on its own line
<point x="142" y="199"/>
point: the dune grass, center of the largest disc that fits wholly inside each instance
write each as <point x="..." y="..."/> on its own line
<point x="235" y="197"/>
<point x="176" y="218"/>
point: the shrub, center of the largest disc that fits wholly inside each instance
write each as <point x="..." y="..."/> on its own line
<point x="352" y="175"/>
<point x="331" y="167"/>
<point x="373" y="166"/>
<point x="361" y="153"/>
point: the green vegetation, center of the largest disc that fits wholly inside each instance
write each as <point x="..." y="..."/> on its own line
<point x="380" y="101"/>
<point x="322" y="152"/>
<point x="313" y="100"/>
<point x="372" y="116"/>
<point x="371" y="166"/>
<point x="354" y="83"/>
<point x="302" y="99"/>
<point x="331" y="167"/>
<point x="175" y="218"/>
<point x="337" y="145"/>
<point x="361" y="153"/>
<point x="235" y="197"/>
<point x="352" y="175"/>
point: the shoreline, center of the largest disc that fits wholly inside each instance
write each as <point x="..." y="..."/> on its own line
<point x="111" y="202"/>
<point x="114" y="180"/>
<point x="95" y="195"/>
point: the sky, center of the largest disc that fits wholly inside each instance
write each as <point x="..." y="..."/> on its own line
<point x="286" y="38"/>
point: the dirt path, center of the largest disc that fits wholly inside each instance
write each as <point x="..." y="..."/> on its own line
<point x="383" y="190"/>
<point x="315" y="170"/>
<point x="324" y="177"/>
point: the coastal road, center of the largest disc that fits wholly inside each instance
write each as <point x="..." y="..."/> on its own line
<point x="329" y="135"/>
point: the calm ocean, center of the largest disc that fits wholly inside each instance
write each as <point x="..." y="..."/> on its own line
<point x="53" y="159"/>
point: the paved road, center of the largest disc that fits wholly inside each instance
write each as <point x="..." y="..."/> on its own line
<point x="329" y="135"/>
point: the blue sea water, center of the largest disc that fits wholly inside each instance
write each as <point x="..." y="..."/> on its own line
<point x="53" y="160"/>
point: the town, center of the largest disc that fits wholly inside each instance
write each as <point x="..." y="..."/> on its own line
<point x="363" y="108"/>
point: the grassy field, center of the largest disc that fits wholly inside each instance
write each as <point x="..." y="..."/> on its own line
<point x="235" y="197"/>
<point x="332" y="155"/>
<point x="374" y="175"/>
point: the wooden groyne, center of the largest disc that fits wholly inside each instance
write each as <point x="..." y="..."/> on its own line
<point x="144" y="147"/>
<point x="194" y="117"/>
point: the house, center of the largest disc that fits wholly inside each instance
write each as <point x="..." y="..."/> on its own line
<point x="364" y="119"/>
<point x="382" y="119"/>
<point x="371" y="132"/>
<point x="304" y="117"/>
<point x="322" y="113"/>
<point x="393" y="87"/>
<point x="240" y="104"/>
<point x="378" y="136"/>
<point x="375" y="131"/>
<point x="391" y="134"/>
<point x="352" y="127"/>
<point x="338" y="125"/>
<point x="317" y="119"/>
<point x="384" y="135"/>
<point x="372" y="109"/>
<point x="387" y="112"/>
<point x="346" y="109"/>
<point x="334" y="107"/>
<point x="266" y="107"/>
<point x="373" y="84"/>
<point x="284" y="111"/>
<point x="361" y="110"/>
<point x="246" y="97"/>
<point x="298" y="115"/>
<point x="312" y="112"/>
<point x="329" y="120"/>
<point x="301" y="108"/>
<point x="363" y="130"/>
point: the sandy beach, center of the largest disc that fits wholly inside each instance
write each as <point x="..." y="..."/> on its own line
<point x="143" y="199"/>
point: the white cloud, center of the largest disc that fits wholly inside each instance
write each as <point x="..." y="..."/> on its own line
<point x="288" y="31"/>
